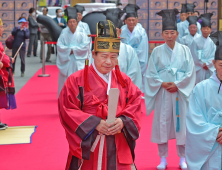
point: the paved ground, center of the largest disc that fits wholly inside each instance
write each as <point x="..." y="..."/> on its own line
<point x="32" y="65"/>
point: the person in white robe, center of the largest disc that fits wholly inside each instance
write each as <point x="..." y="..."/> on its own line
<point x="72" y="50"/>
<point x="135" y="35"/>
<point x="128" y="60"/>
<point x="183" y="27"/>
<point x="188" y="39"/>
<point x="204" y="120"/>
<point x="203" y="50"/>
<point x="169" y="80"/>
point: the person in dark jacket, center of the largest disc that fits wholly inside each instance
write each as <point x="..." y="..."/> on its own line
<point x="59" y="18"/>
<point x="33" y="28"/>
<point x="20" y="33"/>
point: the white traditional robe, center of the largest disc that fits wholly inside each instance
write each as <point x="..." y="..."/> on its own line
<point x="129" y="64"/>
<point x="203" y="51"/>
<point x="204" y="118"/>
<point x="183" y="29"/>
<point x="66" y="63"/>
<point x="167" y="65"/>
<point x="188" y="39"/>
<point x="139" y="41"/>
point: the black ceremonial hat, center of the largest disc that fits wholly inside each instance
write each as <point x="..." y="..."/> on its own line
<point x="183" y="8"/>
<point x="131" y="10"/>
<point x="206" y="19"/>
<point x="114" y="15"/>
<point x="169" y="20"/>
<point x="217" y="39"/>
<point x="190" y="7"/>
<point x="71" y="12"/>
<point x="192" y="20"/>
<point x="80" y="8"/>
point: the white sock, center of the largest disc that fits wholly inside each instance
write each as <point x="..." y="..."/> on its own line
<point x="182" y="160"/>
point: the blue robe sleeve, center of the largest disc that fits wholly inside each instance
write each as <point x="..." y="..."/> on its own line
<point x="142" y="51"/>
<point x="129" y="64"/>
<point x="200" y="135"/>
<point x="152" y="80"/>
<point x="186" y="83"/>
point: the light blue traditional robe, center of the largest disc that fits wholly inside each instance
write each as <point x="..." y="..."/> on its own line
<point x="167" y="65"/>
<point x="129" y="64"/>
<point x="188" y="39"/>
<point x="183" y="29"/>
<point x="139" y="41"/>
<point x="66" y="63"/>
<point x="204" y="118"/>
<point x="203" y="51"/>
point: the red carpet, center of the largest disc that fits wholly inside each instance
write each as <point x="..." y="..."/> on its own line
<point x="37" y="105"/>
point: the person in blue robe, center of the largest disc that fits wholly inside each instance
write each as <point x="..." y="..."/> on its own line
<point x="183" y="27"/>
<point x="188" y="39"/>
<point x="204" y="119"/>
<point x="203" y="50"/>
<point x="128" y="60"/>
<point x="169" y="80"/>
<point x="72" y="49"/>
<point x="135" y="35"/>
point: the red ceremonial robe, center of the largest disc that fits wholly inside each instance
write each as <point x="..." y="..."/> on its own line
<point x="81" y="111"/>
<point x="7" y="88"/>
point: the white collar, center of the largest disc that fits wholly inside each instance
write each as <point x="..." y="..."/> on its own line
<point x="172" y="50"/>
<point x="103" y="77"/>
<point x="129" y="32"/>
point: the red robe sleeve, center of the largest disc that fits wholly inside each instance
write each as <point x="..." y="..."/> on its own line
<point x="78" y="125"/>
<point x="5" y="60"/>
<point x="131" y="117"/>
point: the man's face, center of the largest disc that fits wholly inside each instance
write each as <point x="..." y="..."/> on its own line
<point x="183" y="16"/>
<point x="170" y="36"/>
<point x="105" y="61"/>
<point x="205" y="31"/>
<point x="79" y="16"/>
<point x="195" y="14"/>
<point x="131" y="22"/>
<point x="193" y="29"/>
<point x="44" y="11"/>
<point x="1" y="30"/>
<point x="58" y="12"/>
<point x="218" y="67"/>
<point x="189" y="14"/>
<point x="72" y="24"/>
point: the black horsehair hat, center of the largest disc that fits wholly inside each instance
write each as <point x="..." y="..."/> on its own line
<point x="71" y="12"/>
<point x="131" y="10"/>
<point x="190" y="7"/>
<point x="114" y="15"/>
<point x="206" y="19"/>
<point x="192" y="20"/>
<point x="217" y="39"/>
<point x="183" y="8"/>
<point x="79" y="8"/>
<point x="169" y="20"/>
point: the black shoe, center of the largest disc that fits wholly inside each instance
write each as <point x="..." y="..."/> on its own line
<point x="3" y="126"/>
<point x="35" y="56"/>
<point x="48" y="61"/>
<point x="28" y="56"/>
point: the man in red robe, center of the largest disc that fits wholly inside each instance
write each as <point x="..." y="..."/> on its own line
<point x="7" y="88"/>
<point x="83" y="110"/>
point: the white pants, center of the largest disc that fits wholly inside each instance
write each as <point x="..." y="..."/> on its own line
<point x="163" y="150"/>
